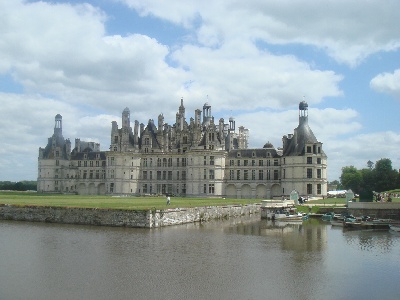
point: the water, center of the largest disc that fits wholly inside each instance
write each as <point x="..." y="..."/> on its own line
<point x="234" y="259"/>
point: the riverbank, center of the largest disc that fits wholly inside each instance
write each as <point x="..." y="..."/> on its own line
<point x="152" y="218"/>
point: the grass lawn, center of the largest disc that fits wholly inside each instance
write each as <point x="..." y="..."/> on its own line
<point x="134" y="203"/>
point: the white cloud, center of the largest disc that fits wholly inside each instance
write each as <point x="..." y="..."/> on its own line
<point x="348" y="31"/>
<point x="387" y="83"/>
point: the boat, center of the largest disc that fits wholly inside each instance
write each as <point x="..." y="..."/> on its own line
<point x="394" y="227"/>
<point x="328" y="216"/>
<point x="281" y="210"/>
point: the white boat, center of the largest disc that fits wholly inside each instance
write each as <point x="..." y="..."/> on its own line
<point x="394" y="227"/>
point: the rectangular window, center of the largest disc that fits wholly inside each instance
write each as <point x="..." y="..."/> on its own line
<point x="145" y="188"/>
<point x="309" y="160"/>
<point x="238" y="162"/>
<point x="309" y="149"/>
<point x="184" y="162"/>
<point x="309" y="189"/>
<point x="205" y="160"/>
<point x="145" y="175"/>
<point x="205" y="188"/>
<point x="319" y="160"/>
<point x="211" y="188"/>
<point x="253" y="174"/>
<point x="151" y="175"/>
<point x="164" y="175"/>
<point x="158" y="175"/>
<point x="238" y="175"/>
<point x="319" y="189"/>
<point x="245" y="174"/>
<point x="231" y="162"/>
<point x="205" y="174"/>
<point x="276" y="175"/>
<point x="231" y="174"/>
<point x="97" y="174"/>
<point x="319" y="173"/>
<point x="184" y="177"/>
<point x="309" y="173"/>
<point x="253" y="162"/>
<point x="169" y="175"/>
<point x="211" y="160"/>
<point x="276" y="162"/>
<point x="268" y="174"/>
<point x="211" y="174"/>
<point x="245" y="162"/>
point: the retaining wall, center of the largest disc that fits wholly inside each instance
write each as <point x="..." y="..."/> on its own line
<point x="124" y="218"/>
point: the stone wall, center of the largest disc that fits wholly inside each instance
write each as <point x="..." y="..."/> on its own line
<point x="375" y="209"/>
<point x="123" y="218"/>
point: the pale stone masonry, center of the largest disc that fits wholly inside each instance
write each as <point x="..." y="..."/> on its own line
<point x="199" y="158"/>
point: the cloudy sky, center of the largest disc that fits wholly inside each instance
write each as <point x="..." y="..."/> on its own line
<point x="254" y="60"/>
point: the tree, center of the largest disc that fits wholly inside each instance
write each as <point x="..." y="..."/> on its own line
<point x="351" y="178"/>
<point x="385" y="176"/>
<point x="370" y="164"/>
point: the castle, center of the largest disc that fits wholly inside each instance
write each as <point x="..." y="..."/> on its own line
<point x="198" y="158"/>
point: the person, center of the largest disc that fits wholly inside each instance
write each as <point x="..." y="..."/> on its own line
<point x="168" y="200"/>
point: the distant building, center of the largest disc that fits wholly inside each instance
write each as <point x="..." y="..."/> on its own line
<point x="199" y="158"/>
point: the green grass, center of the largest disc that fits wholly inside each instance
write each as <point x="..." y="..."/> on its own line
<point x="109" y="202"/>
<point x="135" y="203"/>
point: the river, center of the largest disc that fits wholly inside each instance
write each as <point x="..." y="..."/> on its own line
<point x="245" y="258"/>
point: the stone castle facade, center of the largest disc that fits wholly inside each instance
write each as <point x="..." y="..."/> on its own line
<point x="199" y="158"/>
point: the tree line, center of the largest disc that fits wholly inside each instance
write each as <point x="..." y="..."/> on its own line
<point x="18" y="186"/>
<point x="378" y="177"/>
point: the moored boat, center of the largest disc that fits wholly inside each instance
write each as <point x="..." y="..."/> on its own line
<point x="395" y="227"/>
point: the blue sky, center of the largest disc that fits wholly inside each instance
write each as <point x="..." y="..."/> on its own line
<point x="253" y="60"/>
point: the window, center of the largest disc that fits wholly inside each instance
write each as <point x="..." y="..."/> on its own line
<point x="164" y="162"/>
<point x="111" y="187"/>
<point x="205" y="160"/>
<point x="169" y="175"/>
<point x="319" y="189"/>
<point x="184" y="162"/>
<point x="205" y="188"/>
<point x="268" y="174"/>
<point x="184" y="177"/>
<point x="309" y="173"/>
<point x="245" y="162"/>
<point x="80" y="163"/>
<point x="211" y="188"/>
<point x="205" y="174"/>
<point x="211" y="174"/>
<point x="158" y="175"/>
<point x="253" y="174"/>
<point x="144" y="188"/>
<point x="57" y="162"/>
<point x="309" y="160"/>
<point x="309" y="189"/>
<point x="238" y="174"/>
<point x="253" y="162"/>
<point x="144" y="162"/>
<point x="319" y="160"/>
<point x="276" y="163"/>
<point x="276" y="175"/>
<point x="319" y="173"/>
<point x="169" y="162"/>
<point x="231" y="174"/>
<point x="164" y="175"/>
<point x="238" y="162"/>
<point x="245" y="174"/>
<point x="309" y="149"/>
<point x="158" y="162"/>
<point x="261" y="174"/>
<point x="84" y="174"/>
<point x="211" y="160"/>
<point x="231" y="162"/>
<point x="97" y="174"/>
<point x="85" y="163"/>
<point x="144" y="174"/>
<point x="177" y="162"/>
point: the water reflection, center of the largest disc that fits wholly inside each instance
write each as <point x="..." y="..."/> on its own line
<point x="243" y="258"/>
